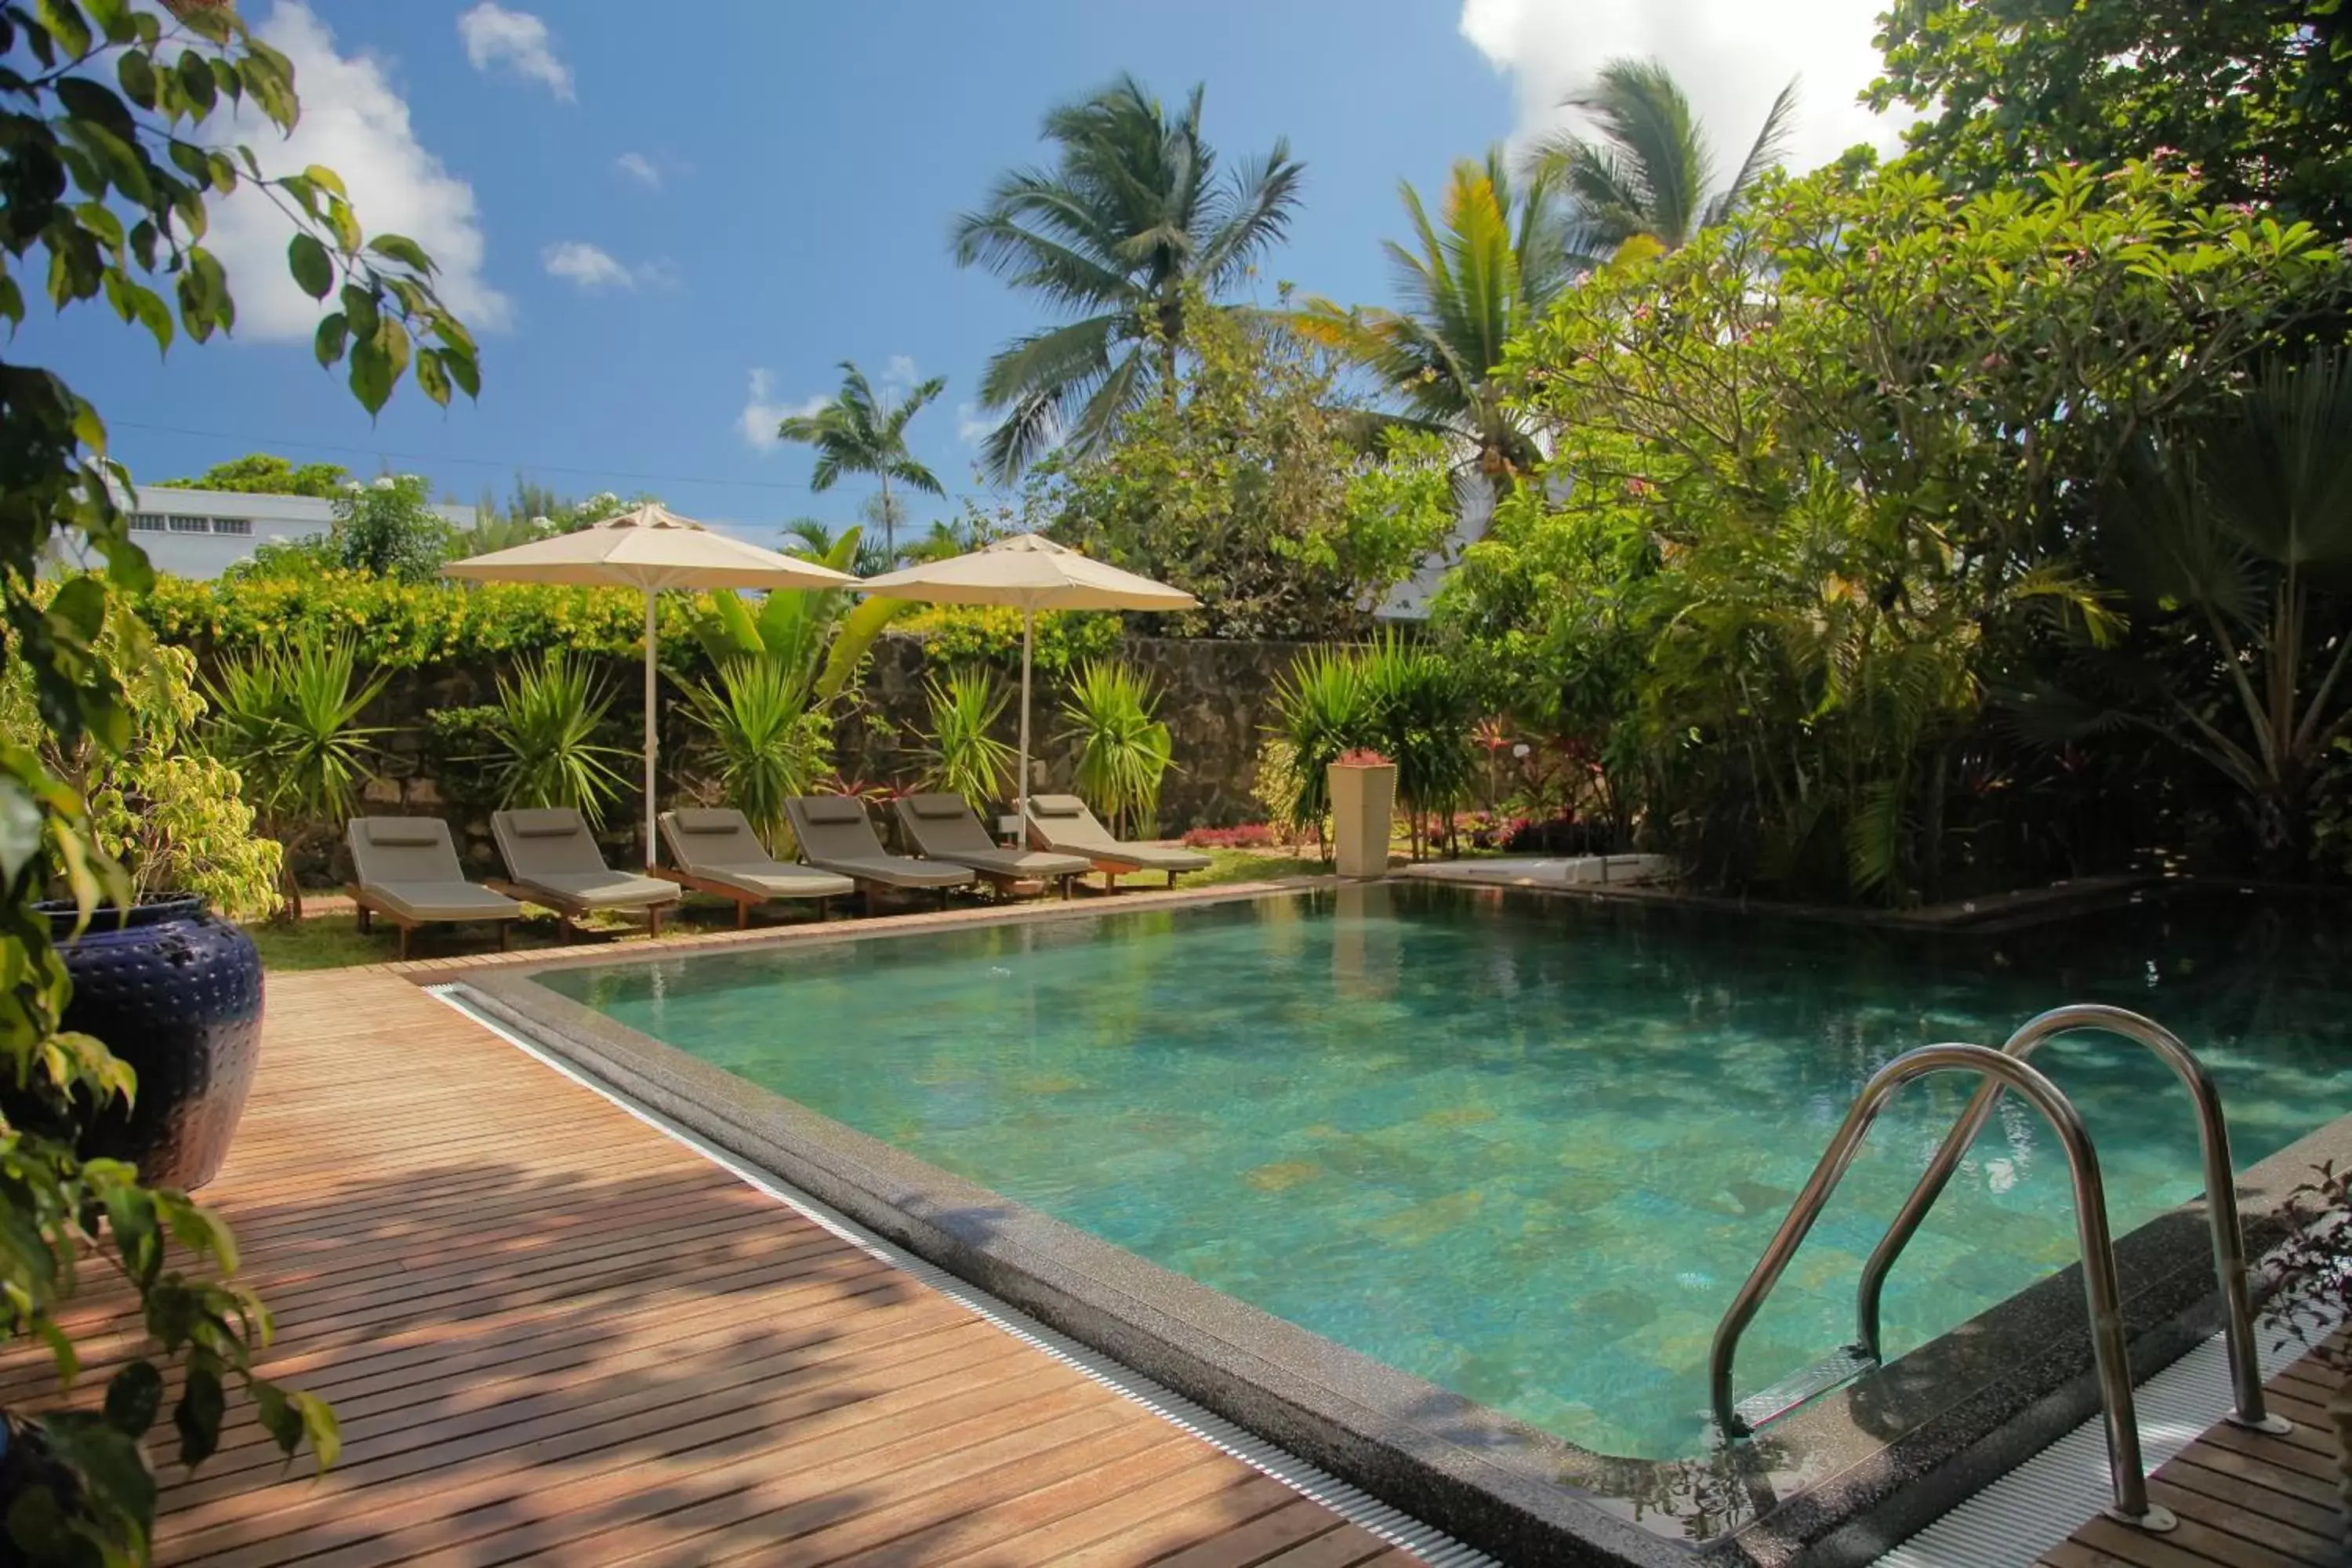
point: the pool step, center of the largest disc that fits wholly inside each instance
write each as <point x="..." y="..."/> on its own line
<point x="1771" y="1404"/>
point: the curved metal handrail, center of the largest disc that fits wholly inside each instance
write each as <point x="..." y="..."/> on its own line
<point x="2131" y="1504"/>
<point x="2221" y="1191"/>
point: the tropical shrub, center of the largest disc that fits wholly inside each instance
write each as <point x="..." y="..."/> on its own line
<point x="1324" y="707"/>
<point x="175" y="819"/>
<point x="1423" y="712"/>
<point x="955" y="635"/>
<point x="546" y="752"/>
<point x="819" y="637"/>
<point x="963" y="758"/>
<point x="1274" y="783"/>
<point x="1123" y="751"/>
<point x="287" y="721"/>
<point x="145" y="164"/>
<point x="1828" y="470"/>
<point x="763" y="742"/>
<point x="1250" y="489"/>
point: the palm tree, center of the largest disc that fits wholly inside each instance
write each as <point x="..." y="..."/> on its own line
<point x="1130" y="219"/>
<point x="1468" y="287"/>
<point x="859" y="433"/>
<point x="1646" y="182"/>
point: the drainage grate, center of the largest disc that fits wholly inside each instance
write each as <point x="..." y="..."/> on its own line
<point x="1351" y="1503"/>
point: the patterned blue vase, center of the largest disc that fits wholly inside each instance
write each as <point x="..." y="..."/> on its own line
<point x="176" y="992"/>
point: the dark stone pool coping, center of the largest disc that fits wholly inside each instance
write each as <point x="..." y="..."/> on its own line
<point x="1834" y="1484"/>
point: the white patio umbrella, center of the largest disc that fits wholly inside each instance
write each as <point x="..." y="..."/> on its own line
<point x="1028" y="573"/>
<point x="649" y="549"/>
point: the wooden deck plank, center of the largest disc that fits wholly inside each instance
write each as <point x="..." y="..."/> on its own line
<point x="553" y="1333"/>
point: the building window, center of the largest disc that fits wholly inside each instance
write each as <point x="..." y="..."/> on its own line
<point x="241" y="525"/>
<point x="181" y="524"/>
<point x="146" y="522"/>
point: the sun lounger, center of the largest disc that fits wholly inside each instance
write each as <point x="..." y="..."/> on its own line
<point x="717" y="852"/>
<point x="835" y="835"/>
<point x="552" y="860"/>
<point x="942" y="828"/>
<point x="406" y="870"/>
<point x="1063" y="822"/>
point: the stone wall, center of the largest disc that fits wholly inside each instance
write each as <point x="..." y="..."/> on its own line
<point x="1216" y="697"/>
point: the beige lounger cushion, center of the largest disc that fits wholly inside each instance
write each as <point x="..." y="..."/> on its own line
<point x="837" y="834"/>
<point x="601" y="890"/>
<point x="943" y="827"/>
<point x="440" y="902"/>
<point x="1064" y="821"/>
<point x="779" y="881"/>
<point x="407" y="867"/>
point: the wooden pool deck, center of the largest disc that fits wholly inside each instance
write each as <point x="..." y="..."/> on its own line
<point x="551" y="1333"/>
<point x="2244" y="1499"/>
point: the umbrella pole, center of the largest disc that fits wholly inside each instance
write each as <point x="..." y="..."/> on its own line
<point x="652" y="741"/>
<point x="1021" y="806"/>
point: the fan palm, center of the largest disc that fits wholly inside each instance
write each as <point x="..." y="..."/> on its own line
<point x="1469" y="282"/>
<point x="1131" y="216"/>
<point x="861" y="433"/>
<point x="1646" y="180"/>
<point x="2246" y="528"/>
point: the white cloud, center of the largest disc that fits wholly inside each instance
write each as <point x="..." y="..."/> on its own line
<point x="640" y="168"/>
<point x="898" y="377"/>
<point x="1731" y="56"/>
<point x="761" y="415"/>
<point x="972" y="423"/>
<point x="356" y="124"/>
<point x="495" y="35"/>
<point x="592" y="268"/>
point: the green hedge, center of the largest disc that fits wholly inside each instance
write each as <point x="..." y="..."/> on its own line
<point x="402" y="626"/>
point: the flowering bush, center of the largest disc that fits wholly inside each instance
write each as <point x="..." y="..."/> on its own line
<point x="1249" y="836"/>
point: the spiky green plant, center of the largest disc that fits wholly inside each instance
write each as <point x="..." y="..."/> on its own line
<point x="1123" y="750"/>
<point x="1421" y="716"/>
<point x="289" y="723"/>
<point x="964" y="757"/>
<point x="764" y="741"/>
<point x="545" y="731"/>
<point x="1323" y="706"/>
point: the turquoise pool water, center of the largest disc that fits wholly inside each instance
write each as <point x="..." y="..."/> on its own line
<point x="1523" y="1149"/>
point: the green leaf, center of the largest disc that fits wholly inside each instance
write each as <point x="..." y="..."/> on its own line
<point x="319" y="173"/>
<point x="394" y="338"/>
<point x="93" y="102"/>
<point x="358" y="304"/>
<point x="313" y="269"/>
<point x="403" y="250"/>
<point x="112" y="17"/>
<point x="198" y="1416"/>
<point x="64" y="24"/>
<point x="431" y="379"/>
<point x="327" y="344"/>
<point x="109" y="1464"/>
<point x="463" y="370"/>
<point x="134" y="1396"/>
<point x="371" y="375"/>
<point x="22" y="825"/>
<point x="148" y="309"/>
<point x="137" y="75"/>
<point x="196" y="74"/>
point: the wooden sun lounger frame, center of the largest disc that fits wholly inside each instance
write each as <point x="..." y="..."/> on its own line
<point x="368" y="908"/>
<point x="568" y="909"/>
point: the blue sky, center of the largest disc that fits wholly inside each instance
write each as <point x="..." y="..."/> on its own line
<point x="669" y="232"/>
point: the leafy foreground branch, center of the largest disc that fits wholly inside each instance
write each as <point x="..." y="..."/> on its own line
<point x="100" y="170"/>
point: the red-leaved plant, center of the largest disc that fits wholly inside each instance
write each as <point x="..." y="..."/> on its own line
<point x="1361" y="757"/>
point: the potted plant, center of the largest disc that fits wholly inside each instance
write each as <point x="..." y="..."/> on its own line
<point x="1363" y="810"/>
<point x="2313" y="1301"/>
<point x="173" y="987"/>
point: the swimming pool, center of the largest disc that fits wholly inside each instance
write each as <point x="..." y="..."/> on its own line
<point x="1521" y="1148"/>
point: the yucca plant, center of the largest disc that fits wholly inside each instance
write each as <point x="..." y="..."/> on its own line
<point x="289" y="723"/>
<point x="964" y="757"/>
<point x="1323" y="706"/>
<point x="545" y="730"/>
<point x="1124" y="752"/>
<point x="764" y="741"/>
<point x="1423" y="717"/>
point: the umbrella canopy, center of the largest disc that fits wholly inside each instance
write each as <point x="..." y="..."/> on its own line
<point x="1028" y="573"/>
<point x="649" y="549"/>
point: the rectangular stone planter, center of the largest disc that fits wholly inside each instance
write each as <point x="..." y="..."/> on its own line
<point x="1363" y="809"/>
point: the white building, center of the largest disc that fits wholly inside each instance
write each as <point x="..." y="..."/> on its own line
<point x="202" y="534"/>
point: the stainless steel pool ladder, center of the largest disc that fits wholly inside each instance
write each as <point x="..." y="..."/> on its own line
<point x="2008" y="1068"/>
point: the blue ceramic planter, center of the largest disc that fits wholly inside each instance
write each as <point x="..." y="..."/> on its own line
<point x="175" y="991"/>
